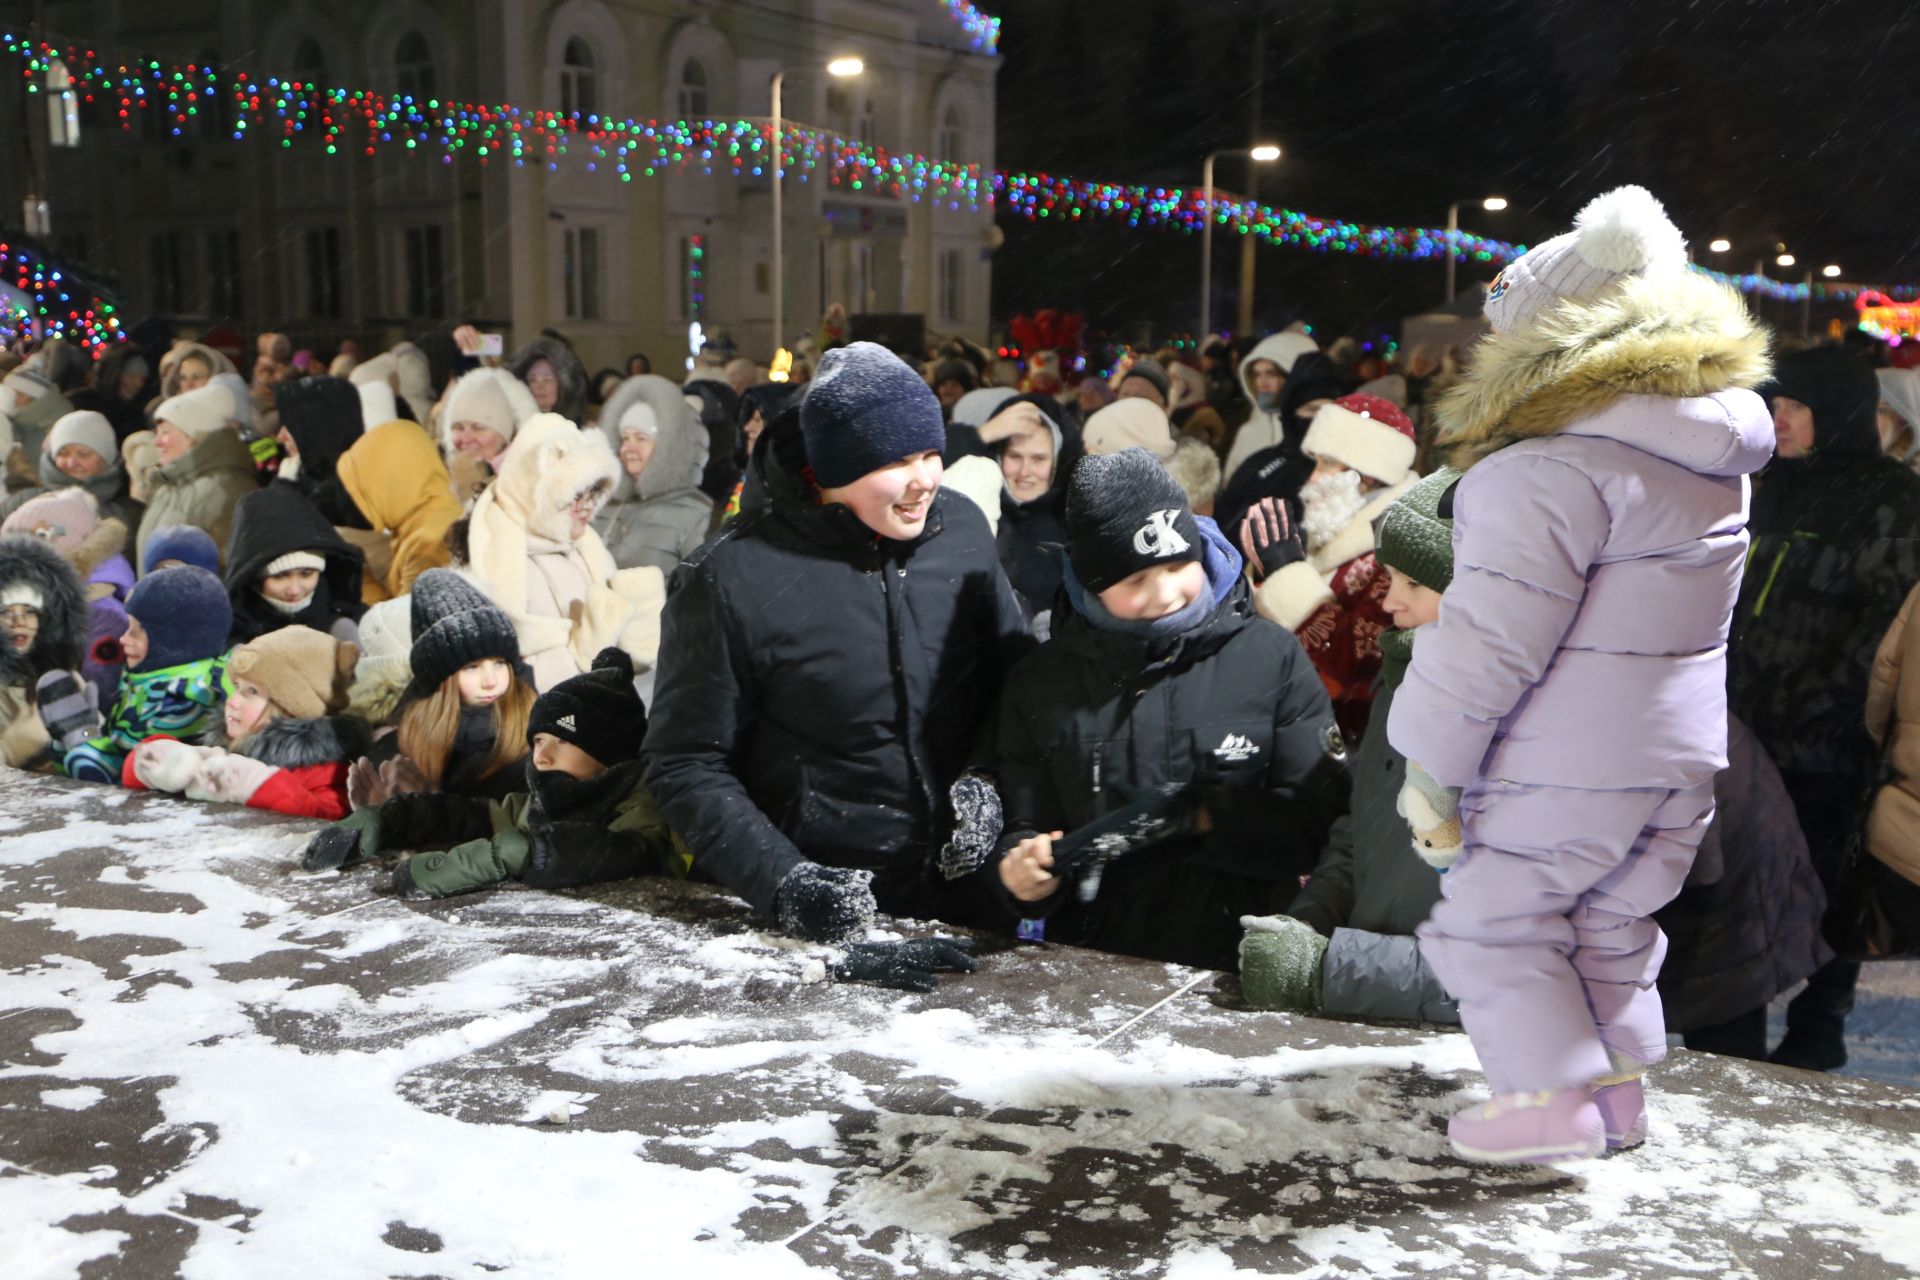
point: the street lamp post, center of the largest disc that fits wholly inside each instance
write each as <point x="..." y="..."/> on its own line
<point x="1492" y="204"/>
<point x="840" y="68"/>
<point x="1266" y="153"/>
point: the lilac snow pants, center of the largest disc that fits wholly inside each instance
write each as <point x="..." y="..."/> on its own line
<point x="1543" y="932"/>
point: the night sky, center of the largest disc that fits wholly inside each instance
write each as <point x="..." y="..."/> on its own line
<point x="1763" y="120"/>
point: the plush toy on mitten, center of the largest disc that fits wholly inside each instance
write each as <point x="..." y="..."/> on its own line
<point x="1433" y="813"/>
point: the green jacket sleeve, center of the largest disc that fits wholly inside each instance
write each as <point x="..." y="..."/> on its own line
<point x="473" y="865"/>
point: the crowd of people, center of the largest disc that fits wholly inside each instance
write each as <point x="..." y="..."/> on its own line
<point x="1554" y="688"/>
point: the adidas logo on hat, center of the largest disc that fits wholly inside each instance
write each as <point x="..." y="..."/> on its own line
<point x="565" y="722"/>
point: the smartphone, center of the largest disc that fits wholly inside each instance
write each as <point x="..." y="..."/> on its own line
<point x="491" y="345"/>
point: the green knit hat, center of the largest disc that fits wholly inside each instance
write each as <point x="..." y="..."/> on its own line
<point x="1415" y="538"/>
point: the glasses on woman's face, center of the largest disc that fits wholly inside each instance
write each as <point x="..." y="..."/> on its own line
<point x="18" y="615"/>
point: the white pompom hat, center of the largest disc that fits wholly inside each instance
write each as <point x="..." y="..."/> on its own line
<point x="1620" y="235"/>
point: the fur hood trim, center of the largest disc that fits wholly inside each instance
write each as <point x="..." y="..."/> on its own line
<point x="299" y="744"/>
<point x="1677" y="335"/>
<point x="680" y="448"/>
<point x="108" y="539"/>
<point x="549" y="464"/>
<point x="64" y="617"/>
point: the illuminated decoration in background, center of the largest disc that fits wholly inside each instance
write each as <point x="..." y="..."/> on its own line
<point x="696" y="295"/>
<point x="981" y="28"/>
<point x="1891" y="322"/>
<point x="782" y="367"/>
<point x="39" y="299"/>
<point x="340" y="119"/>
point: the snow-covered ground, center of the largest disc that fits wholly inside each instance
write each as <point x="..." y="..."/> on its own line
<point x="215" y="1067"/>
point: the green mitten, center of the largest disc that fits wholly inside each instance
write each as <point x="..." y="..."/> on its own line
<point x="352" y="839"/>
<point x="1280" y="963"/>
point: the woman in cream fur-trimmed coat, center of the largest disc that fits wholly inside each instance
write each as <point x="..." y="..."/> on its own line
<point x="567" y="598"/>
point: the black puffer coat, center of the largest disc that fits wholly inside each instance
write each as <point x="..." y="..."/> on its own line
<point x="275" y="522"/>
<point x="1282" y="470"/>
<point x="1032" y="534"/>
<point x="820" y="688"/>
<point x="1232" y="708"/>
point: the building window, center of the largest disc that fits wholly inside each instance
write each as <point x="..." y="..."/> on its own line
<point x="166" y="257"/>
<point x="867" y="127"/>
<point x="413" y="67"/>
<point x="322" y="246"/>
<point x="580" y="272"/>
<point x="578" y="91"/>
<point x="953" y="284"/>
<point x="310" y="63"/>
<point x="63" y="107"/>
<point x="951" y="140"/>
<point x="693" y="90"/>
<point x="223" y="273"/>
<point x="424" y="263"/>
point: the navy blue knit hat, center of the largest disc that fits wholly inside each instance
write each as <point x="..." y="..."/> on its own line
<point x="186" y="543"/>
<point x="454" y="624"/>
<point x="865" y="409"/>
<point x="186" y="614"/>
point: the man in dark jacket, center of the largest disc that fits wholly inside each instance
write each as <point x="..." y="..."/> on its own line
<point x="1035" y="462"/>
<point x="1282" y="470"/>
<point x="827" y="661"/>
<point x="1836" y="549"/>
<point x="1159" y="679"/>
<point x="287" y="567"/>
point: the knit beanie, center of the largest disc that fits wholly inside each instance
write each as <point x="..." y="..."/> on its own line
<point x="976" y="408"/>
<point x="295" y="560"/>
<point x="865" y="409"/>
<point x="26" y="382"/>
<point x="639" y="416"/>
<point x="1126" y="424"/>
<point x="1839" y="386"/>
<point x="302" y="671"/>
<point x="954" y="369"/>
<point x="63" y="517"/>
<point x="186" y="615"/>
<point x="1416" y="533"/>
<point x="598" y="711"/>
<point x="1368" y="434"/>
<point x="199" y="413"/>
<point x="479" y="398"/>
<point x="84" y="427"/>
<point x="25" y="593"/>
<point x="453" y="624"/>
<point x="1154" y="372"/>
<point x="1620" y="235"/>
<point x="189" y="544"/>
<point x="1125" y="514"/>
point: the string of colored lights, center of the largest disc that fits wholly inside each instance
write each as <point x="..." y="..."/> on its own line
<point x="54" y="304"/>
<point x="289" y="110"/>
<point x="982" y="29"/>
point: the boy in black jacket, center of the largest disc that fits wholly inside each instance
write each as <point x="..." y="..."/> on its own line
<point x="1160" y="681"/>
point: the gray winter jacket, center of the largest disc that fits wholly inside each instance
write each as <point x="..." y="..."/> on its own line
<point x="661" y="517"/>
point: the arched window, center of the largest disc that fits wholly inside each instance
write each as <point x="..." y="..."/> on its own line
<point x="947" y="145"/>
<point x="693" y="90"/>
<point x="310" y="62"/>
<point x="413" y="67"/>
<point x="867" y="127"/>
<point x="578" y="91"/>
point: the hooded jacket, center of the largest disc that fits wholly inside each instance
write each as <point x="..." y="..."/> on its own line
<point x="200" y="488"/>
<point x="170" y="365"/>
<point x="718" y="412"/>
<point x="59" y="646"/>
<point x="1265" y="428"/>
<point x="323" y="416"/>
<point x="108" y="491"/>
<point x="1598" y="544"/>
<point x="820" y="687"/>
<point x="276" y="521"/>
<point x="661" y="518"/>
<point x="567" y="369"/>
<point x="1032" y="536"/>
<point x="1280" y="471"/>
<point x="567" y="598"/>
<point x="1893" y="719"/>
<point x="32" y="423"/>
<point x="102" y="392"/>
<point x="106" y="580"/>
<point x="1836" y="549"/>
<point x="1231" y="708"/>
<point x="397" y="483"/>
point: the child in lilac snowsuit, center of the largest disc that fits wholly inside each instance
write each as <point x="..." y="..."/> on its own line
<point x="1564" y="718"/>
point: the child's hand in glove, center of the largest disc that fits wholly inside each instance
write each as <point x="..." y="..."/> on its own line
<point x="1269" y="539"/>
<point x="69" y="707"/>
<point x="229" y="779"/>
<point x="905" y="966"/>
<point x="825" y="904"/>
<point x="1280" y="963"/>
<point x="167" y="764"/>
<point x="1433" y="813"/>
<point x="354" y="837"/>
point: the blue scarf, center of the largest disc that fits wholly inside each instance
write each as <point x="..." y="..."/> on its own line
<point x="1217" y="557"/>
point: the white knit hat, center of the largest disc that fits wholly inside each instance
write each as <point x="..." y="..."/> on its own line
<point x="294" y="560"/>
<point x="483" y="402"/>
<point x="86" y="428"/>
<point x="21" y="593"/>
<point x="1125" y="423"/>
<point x="1622" y="234"/>
<point x="199" y="413"/>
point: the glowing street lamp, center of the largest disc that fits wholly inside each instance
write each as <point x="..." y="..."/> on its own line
<point x="1265" y="153"/>
<point x="1492" y="204"/>
<point x="840" y="68"/>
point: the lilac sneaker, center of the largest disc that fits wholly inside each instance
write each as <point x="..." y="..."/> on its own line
<point x="1623" y="1109"/>
<point x="1530" y="1128"/>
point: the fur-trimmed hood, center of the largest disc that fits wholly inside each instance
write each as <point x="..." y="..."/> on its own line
<point x="549" y="464"/>
<point x="1678" y="336"/>
<point x="300" y="744"/>
<point x="63" y="618"/>
<point x="680" y="451"/>
<point x="572" y="404"/>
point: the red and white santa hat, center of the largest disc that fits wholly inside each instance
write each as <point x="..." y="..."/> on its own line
<point x="1371" y="435"/>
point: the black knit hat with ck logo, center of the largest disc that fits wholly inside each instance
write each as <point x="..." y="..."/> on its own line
<point x="1125" y="513"/>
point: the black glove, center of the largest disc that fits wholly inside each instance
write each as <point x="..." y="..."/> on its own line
<point x="1269" y="538"/>
<point x="977" y="819"/>
<point x="905" y="966"/>
<point x="331" y="849"/>
<point x="825" y="904"/>
<point x="402" y="884"/>
<point x="1082" y="854"/>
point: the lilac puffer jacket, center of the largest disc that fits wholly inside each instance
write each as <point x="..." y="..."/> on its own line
<point x="1583" y="640"/>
